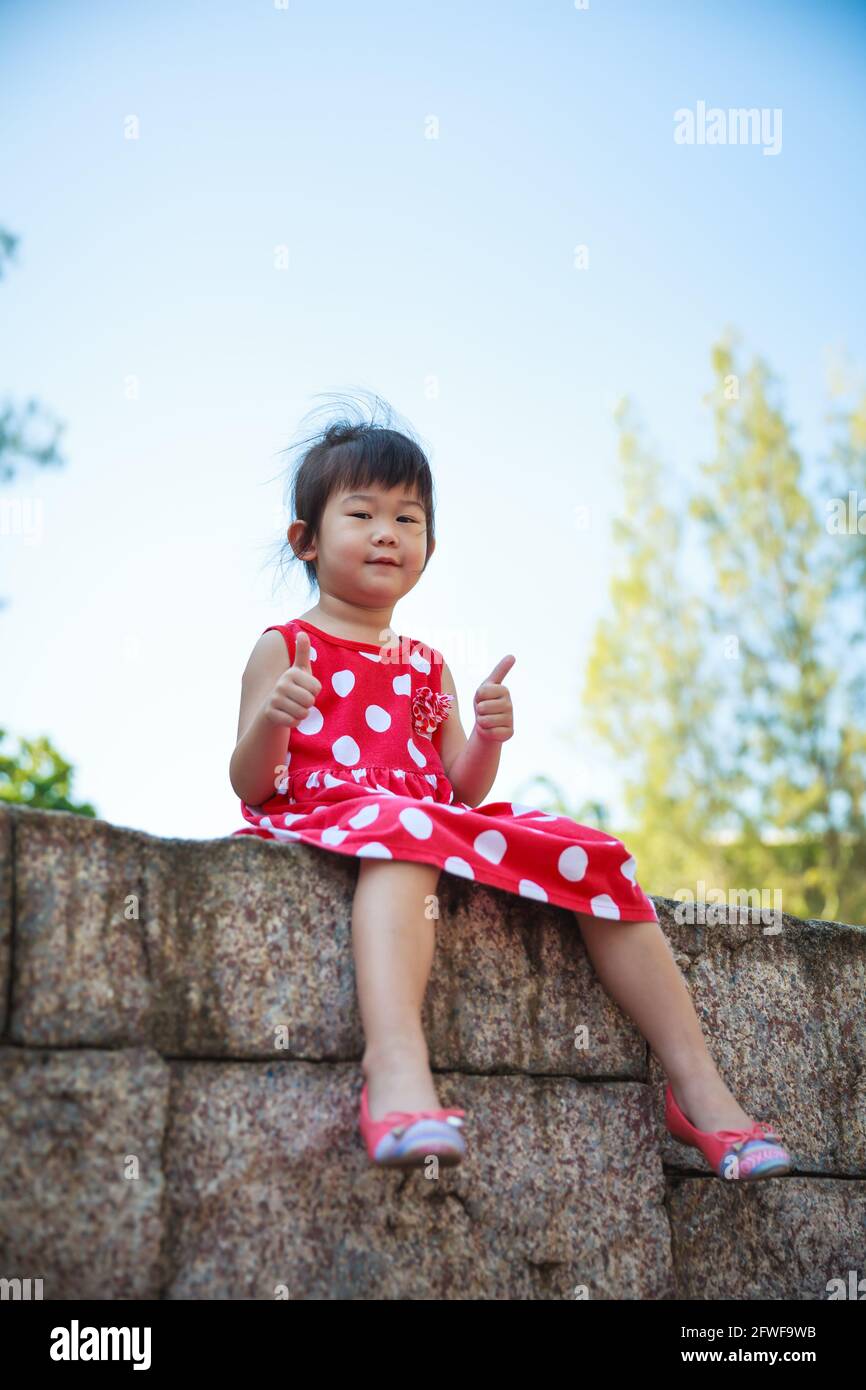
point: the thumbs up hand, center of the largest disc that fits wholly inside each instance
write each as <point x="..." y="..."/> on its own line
<point x="494" y="714"/>
<point x="295" y="692"/>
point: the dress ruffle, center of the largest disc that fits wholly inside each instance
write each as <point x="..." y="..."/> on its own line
<point x="305" y="790"/>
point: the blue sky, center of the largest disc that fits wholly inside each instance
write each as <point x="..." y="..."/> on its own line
<point x="410" y="260"/>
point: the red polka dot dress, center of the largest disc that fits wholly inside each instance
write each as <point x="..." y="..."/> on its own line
<point x="363" y="777"/>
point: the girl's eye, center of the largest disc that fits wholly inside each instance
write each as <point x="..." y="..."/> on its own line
<point x="399" y="518"/>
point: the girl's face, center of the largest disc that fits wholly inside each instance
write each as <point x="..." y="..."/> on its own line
<point x="359" y="533"/>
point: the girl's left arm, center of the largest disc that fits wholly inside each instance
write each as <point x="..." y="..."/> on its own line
<point x="471" y="764"/>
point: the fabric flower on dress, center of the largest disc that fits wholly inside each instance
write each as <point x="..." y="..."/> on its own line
<point x="429" y="710"/>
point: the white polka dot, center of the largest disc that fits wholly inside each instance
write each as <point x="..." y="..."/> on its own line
<point x="378" y="718"/>
<point x="418" y="823"/>
<point x="313" y="779"/>
<point x="311" y="723"/>
<point x="332" y="781"/>
<point x="399" y="772"/>
<point x="572" y="863"/>
<point x="374" y="851"/>
<point x="419" y="662"/>
<point x="365" y="816"/>
<point x="346" y="750"/>
<point x="358" y="773"/>
<point x="343" y="681"/>
<point x="517" y="809"/>
<point x="333" y="835"/>
<point x="314" y="655"/>
<point x="279" y="834"/>
<point x="458" y="810"/>
<point x="491" y="845"/>
<point x="432" y="778"/>
<point x="386" y="791"/>
<point x="629" y="868"/>
<point x="603" y="905"/>
<point x="402" y="684"/>
<point x="455" y="865"/>
<point x="289" y="817"/>
<point x="545" y="817"/>
<point x="415" y="754"/>
<point x="527" y="889"/>
<point x="372" y="656"/>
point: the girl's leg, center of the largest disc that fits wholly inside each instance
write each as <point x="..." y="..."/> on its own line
<point x="637" y="969"/>
<point x="393" y="940"/>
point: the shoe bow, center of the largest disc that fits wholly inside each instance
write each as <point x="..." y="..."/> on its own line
<point x="738" y="1137"/>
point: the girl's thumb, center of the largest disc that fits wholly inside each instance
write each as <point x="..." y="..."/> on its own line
<point x="302" y="651"/>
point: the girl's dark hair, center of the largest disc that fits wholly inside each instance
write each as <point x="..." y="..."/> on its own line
<point x="348" y="455"/>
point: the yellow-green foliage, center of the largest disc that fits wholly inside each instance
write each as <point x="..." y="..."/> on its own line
<point x="730" y="685"/>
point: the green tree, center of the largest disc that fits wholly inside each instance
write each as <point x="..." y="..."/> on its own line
<point x="36" y="775"/>
<point x="20" y="427"/>
<point x="736" y="708"/>
<point x="797" y="700"/>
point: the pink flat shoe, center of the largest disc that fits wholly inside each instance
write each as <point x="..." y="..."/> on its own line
<point x="404" y="1139"/>
<point x="744" y="1154"/>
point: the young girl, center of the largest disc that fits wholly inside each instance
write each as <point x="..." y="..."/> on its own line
<point x="350" y="739"/>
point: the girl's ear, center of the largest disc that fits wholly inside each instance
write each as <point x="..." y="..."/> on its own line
<point x="296" y="536"/>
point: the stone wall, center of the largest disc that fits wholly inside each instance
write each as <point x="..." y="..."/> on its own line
<point x="179" y="1087"/>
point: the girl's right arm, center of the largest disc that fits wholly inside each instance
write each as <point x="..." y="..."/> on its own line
<point x="274" y="699"/>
